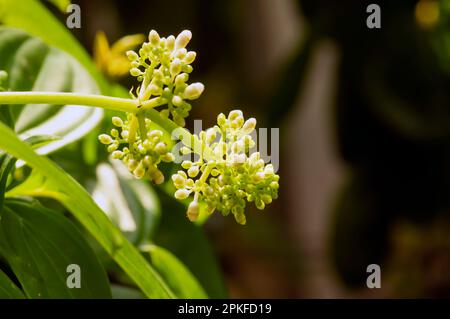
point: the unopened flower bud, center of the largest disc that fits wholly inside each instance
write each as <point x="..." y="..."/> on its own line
<point x="183" y="39"/>
<point x="193" y="211"/>
<point x="190" y="57"/>
<point x="105" y="139"/>
<point x="132" y="56"/>
<point x="181" y="194"/>
<point x="153" y="37"/>
<point x="249" y="126"/>
<point x="135" y="72"/>
<point x="175" y="67"/>
<point x="117" y="121"/>
<point x="161" y="148"/>
<point x="193" y="171"/>
<point x="193" y="91"/>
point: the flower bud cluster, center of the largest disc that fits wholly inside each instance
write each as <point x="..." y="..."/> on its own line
<point x="162" y="65"/>
<point x="232" y="176"/>
<point x="140" y="154"/>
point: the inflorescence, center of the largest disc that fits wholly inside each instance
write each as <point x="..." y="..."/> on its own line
<point x="232" y="176"/>
<point x="222" y="173"/>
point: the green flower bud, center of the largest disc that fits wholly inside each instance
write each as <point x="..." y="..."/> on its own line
<point x="181" y="194"/>
<point x="135" y="72"/>
<point x="117" y="121"/>
<point x="105" y="139"/>
<point x="132" y="56"/>
<point x="117" y="155"/>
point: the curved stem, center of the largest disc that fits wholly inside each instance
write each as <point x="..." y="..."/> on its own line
<point x="106" y="102"/>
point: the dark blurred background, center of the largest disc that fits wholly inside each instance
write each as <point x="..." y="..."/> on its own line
<point x="364" y="117"/>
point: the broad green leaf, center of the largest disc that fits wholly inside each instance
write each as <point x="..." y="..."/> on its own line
<point x="130" y="203"/>
<point x="188" y="242"/>
<point x="34" y="66"/>
<point x="177" y="275"/>
<point x="8" y="290"/>
<point x="34" y="18"/>
<point x="81" y="205"/>
<point x="40" y="246"/>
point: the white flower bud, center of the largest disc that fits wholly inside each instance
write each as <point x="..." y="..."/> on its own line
<point x="153" y="37"/>
<point x="161" y="148"/>
<point x="139" y="172"/>
<point x="183" y="39"/>
<point x="254" y="157"/>
<point x="268" y="170"/>
<point x="177" y="100"/>
<point x="193" y="171"/>
<point x="186" y="164"/>
<point x="175" y="67"/>
<point x="211" y="135"/>
<point x="221" y="119"/>
<point x="234" y="114"/>
<point x="181" y="194"/>
<point x="178" y="180"/>
<point x="157" y="177"/>
<point x="190" y="57"/>
<point x="193" y="211"/>
<point x="170" y="43"/>
<point x="249" y="126"/>
<point x="181" y="53"/>
<point x="154" y="134"/>
<point x="132" y="164"/>
<point x="193" y="91"/>
<point x="168" y="157"/>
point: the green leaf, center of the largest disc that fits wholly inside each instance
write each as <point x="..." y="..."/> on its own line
<point x="123" y="292"/>
<point x="78" y="201"/>
<point x="60" y="4"/>
<point x="188" y="242"/>
<point x="41" y="244"/>
<point x="34" y="18"/>
<point x="177" y="275"/>
<point x="130" y="203"/>
<point x="8" y="290"/>
<point x="7" y="163"/>
<point x="34" y="66"/>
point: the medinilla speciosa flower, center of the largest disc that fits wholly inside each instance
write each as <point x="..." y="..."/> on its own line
<point x="224" y="171"/>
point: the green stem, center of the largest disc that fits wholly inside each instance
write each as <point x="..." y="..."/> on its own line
<point x="57" y="98"/>
<point x="106" y="102"/>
